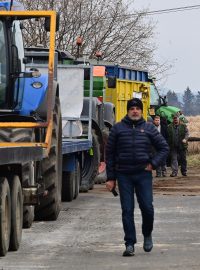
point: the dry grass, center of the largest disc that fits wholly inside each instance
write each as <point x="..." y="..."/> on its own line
<point x="194" y="131"/>
<point x="193" y="160"/>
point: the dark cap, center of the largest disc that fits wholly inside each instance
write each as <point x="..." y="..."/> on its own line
<point x="134" y="102"/>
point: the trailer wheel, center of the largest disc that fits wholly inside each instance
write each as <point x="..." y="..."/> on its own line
<point x="51" y="167"/>
<point x="90" y="165"/>
<point x="68" y="186"/>
<point x="21" y="135"/>
<point x="16" y="212"/>
<point x="77" y="179"/>
<point x="5" y="216"/>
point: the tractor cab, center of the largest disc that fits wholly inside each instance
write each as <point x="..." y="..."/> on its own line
<point x="11" y="61"/>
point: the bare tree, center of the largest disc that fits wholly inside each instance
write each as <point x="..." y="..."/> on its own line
<point x="104" y="25"/>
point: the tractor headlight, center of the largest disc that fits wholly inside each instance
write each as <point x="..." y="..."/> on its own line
<point x="36" y="74"/>
<point x="37" y="85"/>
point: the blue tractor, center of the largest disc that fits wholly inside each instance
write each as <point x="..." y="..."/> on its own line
<point x="30" y="130"/>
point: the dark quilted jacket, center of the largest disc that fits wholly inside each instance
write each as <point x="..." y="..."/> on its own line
<point x="130" y="145"/>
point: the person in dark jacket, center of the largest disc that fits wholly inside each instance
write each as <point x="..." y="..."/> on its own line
<point x="162" y="128"/>
<point x="178" y="143"/>
<point x="130" y="161"/>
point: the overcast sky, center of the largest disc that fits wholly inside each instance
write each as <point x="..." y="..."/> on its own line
<point x="178" y="40"/>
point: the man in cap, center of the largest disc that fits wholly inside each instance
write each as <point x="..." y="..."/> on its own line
<point x="129" y="160"/>
<point x="177" y="139"/>
<point x="162" y="128"/>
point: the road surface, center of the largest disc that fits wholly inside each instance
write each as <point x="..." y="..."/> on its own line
<point x="88" y="236"/>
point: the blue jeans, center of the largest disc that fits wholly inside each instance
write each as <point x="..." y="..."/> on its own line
<point x="141" y="184"/>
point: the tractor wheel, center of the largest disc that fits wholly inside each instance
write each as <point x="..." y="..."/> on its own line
<point x="51" y="167"/>
<point x="27" y="179"/>
<point x="90" y="165"/>
<point x="5" y="216"/>
<point x="22" y="135"/>
<point x="16" y="212"/>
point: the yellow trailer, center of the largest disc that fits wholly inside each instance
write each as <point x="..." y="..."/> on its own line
<point x="124" y="83"/>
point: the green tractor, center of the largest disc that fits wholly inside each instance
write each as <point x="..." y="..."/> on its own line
<point x="159" y="106"/>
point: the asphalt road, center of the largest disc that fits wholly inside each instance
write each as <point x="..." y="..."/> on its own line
<point x="88" y="236"/>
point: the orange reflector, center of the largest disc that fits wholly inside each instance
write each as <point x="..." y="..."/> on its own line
<point x="99" y="71"/>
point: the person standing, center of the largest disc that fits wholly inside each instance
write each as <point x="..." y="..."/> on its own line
<point x="129" y="160"/>
<point x="177" y="140"/>
<point x="162" y="128"/>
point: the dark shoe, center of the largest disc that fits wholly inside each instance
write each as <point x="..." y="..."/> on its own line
<point x="148" y="243"/>
<point x="184" y="174"/>
<point x="158" y="175"/>
<point x="129" y="251"/>
<point x="173" y="174"/>
<point x="164" y="175"/>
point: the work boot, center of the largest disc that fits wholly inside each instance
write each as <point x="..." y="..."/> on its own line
<point x="184" y="174"/>
<point x="129" y="251"/>
<point x="158" y="175"/>
<point x="148" y="243"/>
<point x="173" y="174"/>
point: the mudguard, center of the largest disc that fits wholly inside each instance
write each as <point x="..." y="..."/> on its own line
<point x="109" y="114"/>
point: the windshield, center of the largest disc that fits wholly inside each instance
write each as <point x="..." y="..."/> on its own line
<point x="154" y="96"/>
<point x="3" y="65"/>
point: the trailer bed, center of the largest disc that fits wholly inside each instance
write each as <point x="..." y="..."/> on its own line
<point x="75" y="145"/>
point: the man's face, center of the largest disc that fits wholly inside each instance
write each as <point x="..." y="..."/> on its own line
<point x="134" y="113"/>
<point x="176" y="121"/>
<point x="156" y="122"/>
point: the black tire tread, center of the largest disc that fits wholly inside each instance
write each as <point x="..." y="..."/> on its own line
<point x="89" y="175"/>
<point x="50" y="205"/>
<point x="15" y="187"/>
<point x="4" y="240"/>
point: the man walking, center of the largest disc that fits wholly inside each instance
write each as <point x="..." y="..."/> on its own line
<point x="178" y="136"/>
<point x="129" y="160"/>
<point x="162" y="128"/>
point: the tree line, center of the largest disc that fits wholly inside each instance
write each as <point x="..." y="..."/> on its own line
<point x="190" y="104"/>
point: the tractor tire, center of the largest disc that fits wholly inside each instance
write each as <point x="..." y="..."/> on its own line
<point x="21" y="135"/>
<point x="51" y="168"/>
<point x="16" y="212"/>
<point x="28" y="210"/>
<point x="90" y="165"/>
<point x="68" y="186"/>
<point x="5" y="216"/>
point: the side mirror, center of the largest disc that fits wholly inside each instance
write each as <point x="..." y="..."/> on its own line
<point x="47" y="23"/>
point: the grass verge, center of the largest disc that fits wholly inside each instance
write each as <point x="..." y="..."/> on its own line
<point x="193" y="160"/>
